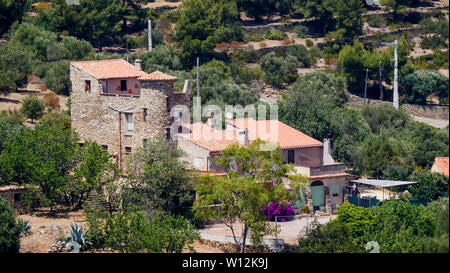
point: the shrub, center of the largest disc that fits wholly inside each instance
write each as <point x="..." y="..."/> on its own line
<point x="52" y="100"/>
<point x="377" y="21"/>
<point x="301" y="31"/>
<point x="306" y="210"/>
<point x="309" y="43"/>
<point x="287" y="42"/>
<point x="247" y="74"/>
<point x="274" y="208"/>
<point x="301" y="53"/>
<point x="274" y="34"/>
<point x="247" y="55"/>
<point x="315" y="52"/>
<point x="10" y="230"/>
<point x="32" y="107"/>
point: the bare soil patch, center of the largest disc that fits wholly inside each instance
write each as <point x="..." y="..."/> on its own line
<point x="46" y="228"/>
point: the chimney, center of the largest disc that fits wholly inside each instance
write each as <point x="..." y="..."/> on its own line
<point x="211" y="120"/>
<point x="327" y="159"/>
<point x="243" y="137"/>
<point x="138" y="64"/>
<point x="187" y="87"/>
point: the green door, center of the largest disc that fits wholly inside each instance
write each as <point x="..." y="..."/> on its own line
<point x="300" y="201"/>
<point x="317" y="195"/>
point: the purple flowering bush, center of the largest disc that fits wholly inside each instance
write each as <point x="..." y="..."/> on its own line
<point x="274" y="208"/>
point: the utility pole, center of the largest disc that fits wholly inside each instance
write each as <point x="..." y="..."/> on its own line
<point x="150" y="45"/>
<point x="365" y="88"/>
<point x="198" y="79"/>
<point x="380" y="82"/>
<point x="396" y="75"/>
<point x="395" y="97"/>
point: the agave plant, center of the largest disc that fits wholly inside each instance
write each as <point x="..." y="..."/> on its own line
<point x="26" y="228"/>
<point x="78" y="235"/>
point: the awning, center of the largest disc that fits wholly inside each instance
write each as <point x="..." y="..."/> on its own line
<point x="383" y="183"/>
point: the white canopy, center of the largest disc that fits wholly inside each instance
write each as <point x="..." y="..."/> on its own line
<point x="383" y="183"/>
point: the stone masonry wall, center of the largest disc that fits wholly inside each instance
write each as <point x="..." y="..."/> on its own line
<point x="426" y="111"/>
<point x="94" y="121"/>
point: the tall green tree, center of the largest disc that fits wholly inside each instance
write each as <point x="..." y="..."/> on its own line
<point x="254" y="177"/>
<point x="158" y="180"/>
<point x="33" y="107"/>
<point x="41" y="158"/>
<point x="202" y="24"/>
<point x="95" y="21"/>
<point x="15" y="67"/>
<point x="11" y="11"/>
<point x="349" y="17"/>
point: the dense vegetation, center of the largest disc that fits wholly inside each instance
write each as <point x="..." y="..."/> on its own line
<point x="158" y="194"/>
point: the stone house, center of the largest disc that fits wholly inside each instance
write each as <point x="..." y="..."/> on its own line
<point x="14" y="195"/>
<point x="119" y="106"/>
<point x="311" y="157"/>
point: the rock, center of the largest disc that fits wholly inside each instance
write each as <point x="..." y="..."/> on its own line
<point x="53" y="227"/>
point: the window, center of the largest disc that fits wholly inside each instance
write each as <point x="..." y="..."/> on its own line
<point x="87" y="86"/>
<point x="127" y="150"/>
<point x="180" y="129"/>
<point x="177" y="116"/>
<point x="17" y="197"/>
<point x="291" y="156"/>
<point x="168" y="104"/>
<point x="145" y="113"/>
<point x="168" y="133"/>
<point x="123" y="85"/>
<point x="130" y="122"/>
<point x="105" y="148"/>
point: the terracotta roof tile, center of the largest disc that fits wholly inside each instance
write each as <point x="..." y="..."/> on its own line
<point x="217" y="140"/>
<point x="323" y="176"/>
<point x="287" y="136"/>
<point x="208" y="137"/>
<point x="157" y="76"/>
<point x="109" y="69"/>
<point x="11" y="188"/>
<point x="442" y="165"/>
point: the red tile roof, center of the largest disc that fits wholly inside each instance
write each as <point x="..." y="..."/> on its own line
<point x="287" y="136"/>
<point x="323" y="176"/>
<point x="109" y="69"/>
<point x="442" y="165"/>
<point x="208" y="137"/>
<point x="157" y="76"/>
<point x="217" y="140"/>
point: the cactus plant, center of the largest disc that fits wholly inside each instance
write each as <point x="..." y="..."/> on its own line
<point x="26" y="228"/>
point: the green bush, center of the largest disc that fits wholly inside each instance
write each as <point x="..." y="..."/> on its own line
<point x="246" y="55"/>
<point x="15" y="67"/>
<point x="301" y="31"/>
<point x="377" y="21"/>
<point x="417" y="86"/>
<point x="9" y="229"/>
<point x="33" y="107"/>
<point x="247" y="74"/>
<point x="274" y="34"/>
<point x="301" y="53"/>
<point x="309" y="43"/>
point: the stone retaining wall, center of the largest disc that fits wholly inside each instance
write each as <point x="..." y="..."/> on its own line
<point x="427" y="111"/>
